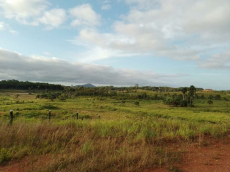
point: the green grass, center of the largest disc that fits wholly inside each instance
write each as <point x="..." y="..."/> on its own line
<point x="127" y="137"/>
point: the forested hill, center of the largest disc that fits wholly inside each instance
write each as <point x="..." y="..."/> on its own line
<point x="26" y="85"/>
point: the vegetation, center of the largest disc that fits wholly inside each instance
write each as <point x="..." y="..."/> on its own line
<point x="31" y="86"/>
<point x="137" y="128"/>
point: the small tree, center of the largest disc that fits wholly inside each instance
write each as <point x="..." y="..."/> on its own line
<point x="210" y="102"/>
<point x="210" y="97"/>
<point x="16" y="96"/>
<point x="202" y="96"/>
<point x="218" y="97"/>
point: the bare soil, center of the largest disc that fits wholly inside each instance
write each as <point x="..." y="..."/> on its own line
<point x="213" y="156"/>
<point x="27" y="163"/>
<point x="210" y="155"/>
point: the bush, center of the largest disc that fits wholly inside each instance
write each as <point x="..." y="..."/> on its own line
<point x="137" y="103"/>
<point x="176" y="102"/>
<point x="210" y="102"/>
<point x="184" y="103"/>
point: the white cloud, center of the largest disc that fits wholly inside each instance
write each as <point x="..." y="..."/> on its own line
<point x="218" y="61"/>
<point x="105" y="6"/>
<point x="53" y="18"/>
<point x="47" y="53"/>
<point x="21" y="10"/>
<point x="84" y="15"/>
<point x="2" y="26"/>
<point x="181" y="30"/>
<point x="37" y="68"/>
<point x="101" y="45"/>
<point x="207" y="18"/>
<point x="143" y="4"/>
<point x="129" y="40"/>
<point x="33" y="12"/>
<point x="6" y="27"/>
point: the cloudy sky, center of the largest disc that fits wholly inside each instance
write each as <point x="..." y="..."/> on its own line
<point x="117" y="42"/>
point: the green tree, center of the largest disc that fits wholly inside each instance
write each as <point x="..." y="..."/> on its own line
<point x="210" y="97"/>
<point x="184" y="90"/>
<point x="191" y="93"/>
<point x="210" y="102"/>
<point x="218" y="97"/>
<point x="202" y="96"/>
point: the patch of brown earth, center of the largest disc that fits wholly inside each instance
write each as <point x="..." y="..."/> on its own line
<point x="211" y="155"/>
<point x="215" y="157"/>
<point x="26" y="164"/>
<point x="163" y="169"/>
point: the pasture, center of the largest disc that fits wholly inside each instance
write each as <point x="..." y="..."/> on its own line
<point x="111" y="133"/>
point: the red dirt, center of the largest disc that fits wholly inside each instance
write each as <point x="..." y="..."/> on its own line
<point x="212" y="155"/>
<point x="25" y="164"/>
<point x="163" y="169"/>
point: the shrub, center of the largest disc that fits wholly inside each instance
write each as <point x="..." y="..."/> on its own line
<point x="4" y="156"/>
<point x="184" y="103"/>
<point x="137" y="103"/>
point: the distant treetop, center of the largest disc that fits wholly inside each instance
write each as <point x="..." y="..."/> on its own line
<point x="26" y="85"/>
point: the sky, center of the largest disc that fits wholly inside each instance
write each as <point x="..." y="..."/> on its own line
<point x="175" y="43"/>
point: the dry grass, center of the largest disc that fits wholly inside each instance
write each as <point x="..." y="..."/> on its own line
<point x="80" y="146"/>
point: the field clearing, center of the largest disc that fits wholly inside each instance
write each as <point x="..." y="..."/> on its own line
<point x="126" y="137"/>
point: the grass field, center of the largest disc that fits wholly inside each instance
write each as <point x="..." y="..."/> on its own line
<point x="126" y="137"/>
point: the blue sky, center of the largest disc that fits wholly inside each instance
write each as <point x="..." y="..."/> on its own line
<point x="117" y="42"/>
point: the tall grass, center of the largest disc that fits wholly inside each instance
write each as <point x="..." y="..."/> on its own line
<point x="98" y="145"/>
<point x="126" y="137"/>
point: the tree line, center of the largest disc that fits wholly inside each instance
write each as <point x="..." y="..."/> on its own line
<point x="185" y="96"/>
<point x="122" y="93"/>
<point x="26" y="85"/>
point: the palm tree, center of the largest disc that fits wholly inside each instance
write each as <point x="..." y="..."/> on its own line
<point x="184" y="90"/>
<point x="191" y="93"/>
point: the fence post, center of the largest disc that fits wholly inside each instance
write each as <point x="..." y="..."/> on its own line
<point x="49" y="115"/>
<point x="99" y="116"/>
<point x="77" y="114"/>
<point x="11" y="116"/>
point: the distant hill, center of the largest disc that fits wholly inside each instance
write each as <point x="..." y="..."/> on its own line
<point x="85" y="85"/>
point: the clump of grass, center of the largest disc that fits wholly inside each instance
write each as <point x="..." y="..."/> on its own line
<point x="5" y="155"/>
<point x="48" y="106"/>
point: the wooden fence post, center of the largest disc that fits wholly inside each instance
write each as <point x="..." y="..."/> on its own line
<point x="11" y="117"/>
<point x="49" y="115"/>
